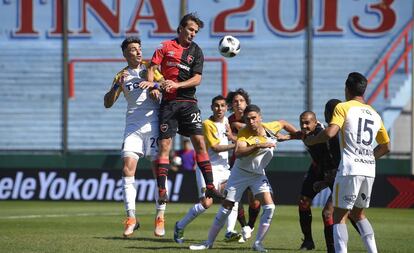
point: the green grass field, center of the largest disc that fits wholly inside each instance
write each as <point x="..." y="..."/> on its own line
<point x="96" y="227"/>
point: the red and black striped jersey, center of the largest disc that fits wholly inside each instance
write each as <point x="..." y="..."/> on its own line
<point x="179" y="64"/>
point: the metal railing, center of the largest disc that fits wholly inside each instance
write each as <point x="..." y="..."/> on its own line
<point x="384" y="63"/>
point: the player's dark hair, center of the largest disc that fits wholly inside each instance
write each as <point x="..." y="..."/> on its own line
<point x="329" y="108"/>
<point x="307" y="112"/>
<point x="129" y="40"/>
<point x="218" y="97"/>
<point x="232" y="94"/>
<point x="190" y="16"/>
<point x="356" y="84"/>
<point x="251" y="108"/>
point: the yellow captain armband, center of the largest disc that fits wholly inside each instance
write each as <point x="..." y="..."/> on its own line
<point x="158" y="76"/>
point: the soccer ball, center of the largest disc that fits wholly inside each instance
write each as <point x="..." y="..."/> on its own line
<point x="229" y="46"/>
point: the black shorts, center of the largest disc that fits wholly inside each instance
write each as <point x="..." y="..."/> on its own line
<point x="313" y="175"/>
<point x="181" y="117"/>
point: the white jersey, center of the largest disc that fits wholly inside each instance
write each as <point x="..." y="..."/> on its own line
<point x="360" y="124"/>
<point x="141" y="109"/>
<point x="257" y="161"/>
<point x="215" y="134"/>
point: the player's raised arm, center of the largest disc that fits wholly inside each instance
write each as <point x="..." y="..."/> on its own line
<point x="323" y="136"/>
<point x="294" y="134"/>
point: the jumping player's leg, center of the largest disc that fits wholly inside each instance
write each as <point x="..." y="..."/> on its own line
<point x="204" y="164"/>
<point x="129" y="191"/>
<point x="163" y="165"/>
<point x="168" y="126"/>
<point x="159" y="223"/>
<point x="190" y="124"/>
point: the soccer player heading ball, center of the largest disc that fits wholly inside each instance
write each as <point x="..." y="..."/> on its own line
<point x="181" y="61"/>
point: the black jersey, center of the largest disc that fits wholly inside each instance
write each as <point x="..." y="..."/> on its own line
<point x="326" y="156"/>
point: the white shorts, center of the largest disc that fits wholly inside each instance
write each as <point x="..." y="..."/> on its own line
<point x="220" y="176"/>
<point x="350" y="191"/>
<point x="142" y="142"/>
<point x="239" y="180"/>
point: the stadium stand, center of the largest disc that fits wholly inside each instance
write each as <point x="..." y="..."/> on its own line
<point x="273" y="74"/>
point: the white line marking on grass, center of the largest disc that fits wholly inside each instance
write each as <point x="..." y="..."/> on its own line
<point x="35" y="216"/>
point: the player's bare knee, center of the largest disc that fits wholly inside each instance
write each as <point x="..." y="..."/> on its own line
<point x="198" y="143"/>
<point x="165" y="146"/>
<point x="206" y="202"/>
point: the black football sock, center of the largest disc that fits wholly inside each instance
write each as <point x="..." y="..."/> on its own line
<point x="328" y="231"/>
<point x="204" y="164"/>
<point x="253" y="213"/>
<point x="240" y="216"/>
<point x="305" y="219"/>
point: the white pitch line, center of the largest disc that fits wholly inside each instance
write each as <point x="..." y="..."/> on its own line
<point x="36" y="216"/>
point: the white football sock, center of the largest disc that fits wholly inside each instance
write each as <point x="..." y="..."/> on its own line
<point x="192" y="213"/>
<point x="130" y="193"/>
<point x="232" y="219"/>
<point x="367" y="235"/>
<point x="340" y="233"/>
<point x="218" y="223"/>
<point x="265" y="220"/>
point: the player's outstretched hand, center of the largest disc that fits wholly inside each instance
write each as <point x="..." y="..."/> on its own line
<point x="282" y="137"/>
<point x="169" y="85"/>
<point x="145" y="85"/>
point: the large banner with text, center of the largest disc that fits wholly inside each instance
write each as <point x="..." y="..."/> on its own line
<point x="106" y="185"/>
